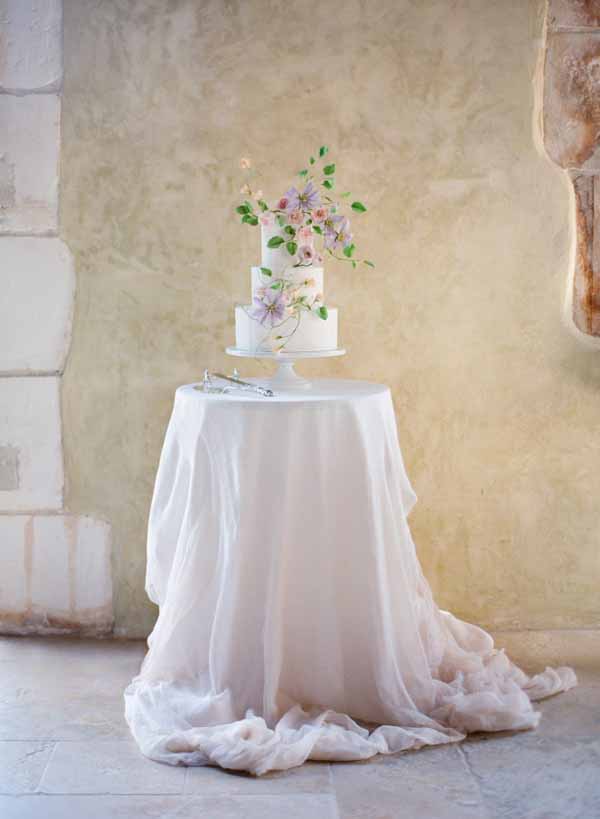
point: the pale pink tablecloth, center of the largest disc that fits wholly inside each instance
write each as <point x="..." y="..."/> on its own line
<point x="293" y="609"/>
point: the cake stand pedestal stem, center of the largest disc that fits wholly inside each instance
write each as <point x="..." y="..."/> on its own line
<point x="286" y="378"/>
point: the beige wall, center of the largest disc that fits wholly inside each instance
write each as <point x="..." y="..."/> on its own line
<point x="427" y="107"/>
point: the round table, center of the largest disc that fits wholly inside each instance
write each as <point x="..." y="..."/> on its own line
<point x="295" y="622"/>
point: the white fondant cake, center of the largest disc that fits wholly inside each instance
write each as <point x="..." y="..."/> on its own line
<point x="287" y="311"/>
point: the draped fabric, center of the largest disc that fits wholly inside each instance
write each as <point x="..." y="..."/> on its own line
<point x="295" y="622"/>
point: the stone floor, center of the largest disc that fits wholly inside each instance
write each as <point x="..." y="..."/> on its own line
<point x="65" y="752"/>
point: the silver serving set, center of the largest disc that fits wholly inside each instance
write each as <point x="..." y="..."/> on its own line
<point x="231" y="384"/>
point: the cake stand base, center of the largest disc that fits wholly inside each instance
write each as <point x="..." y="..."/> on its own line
<point x="285" y="379"/>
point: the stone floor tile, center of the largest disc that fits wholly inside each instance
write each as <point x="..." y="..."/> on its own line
<point x="22" y="765"/>
<point x="530" y="776"/>
<point x="589" y="677"/>
<point x="575" y="713"/>
<point x="433" y="783"/>
<point x="57" y="689"/>
<point x="109" y="767"/>
<point x="77" y="719"/>
<point x="312" y="777"/>
<point x="295" y="806"/>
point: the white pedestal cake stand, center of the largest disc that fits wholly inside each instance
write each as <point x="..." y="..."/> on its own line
<point x="286" y="378"/>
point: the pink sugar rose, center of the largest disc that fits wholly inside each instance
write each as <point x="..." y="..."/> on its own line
<point x="296" y="217"/>
<point x="319" y="215"/>
<point x="305" y="236"/>
<point x="282" y="204"/>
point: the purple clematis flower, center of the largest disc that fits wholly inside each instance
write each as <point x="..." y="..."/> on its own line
<point x="344" y="235"/>
<point x="307" y="200"/>
<point x="270" y="308"/>
<point x="337" y="232"/>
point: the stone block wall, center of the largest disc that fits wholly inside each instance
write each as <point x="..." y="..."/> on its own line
<point x="55" y="570"/>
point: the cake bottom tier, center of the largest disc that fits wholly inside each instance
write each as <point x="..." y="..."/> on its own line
<point x="310" y="334"/>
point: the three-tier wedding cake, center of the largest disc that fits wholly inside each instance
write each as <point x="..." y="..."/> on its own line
<point x="288" y="313"/>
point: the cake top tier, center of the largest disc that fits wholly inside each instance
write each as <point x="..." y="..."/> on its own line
<point x="282" y="259"/>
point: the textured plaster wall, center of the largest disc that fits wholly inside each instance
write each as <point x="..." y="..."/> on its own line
<point x="428" y="108"/>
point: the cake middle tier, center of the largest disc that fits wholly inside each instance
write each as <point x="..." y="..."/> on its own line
<point x="309" y="279"/>
<point x="309" y="334"/>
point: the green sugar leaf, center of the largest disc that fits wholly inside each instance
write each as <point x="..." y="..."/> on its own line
<point x="328" y="170"/>
<point x="317" y="229"/>
<point x="348" y="251"/>
<point x="266" y="271"/>
<point x="323" y="150"/>
<point x="369" y="263"/>
<point x="290" y="230"/>
<point x="250" y="219"/>
<point x="322" y="312"/>
<point x="358" y="207"/>
<point x="312" y="160"/>
<point x="328" y="184"/>
<point x="303" y="173"/>
<point x="263" y="205"/>
<point x="292" y="247"/>
<point x="275" y="241"/>
<point x="242" y="209"/>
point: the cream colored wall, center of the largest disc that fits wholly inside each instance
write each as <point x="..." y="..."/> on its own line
<point x="427" y="107"/>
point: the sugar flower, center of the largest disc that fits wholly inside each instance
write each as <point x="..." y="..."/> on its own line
<point x="296" y="217"/>
<point x="331" y="223"/>
<point x="245" y="190"/>
<point x="266" y="219"/>
<point x="306" y="253"/>
<point x="305" y="236"/>
<point x="307" y="200"/>
<point x="245" y="163"/>
<point x="319" y="215"/>
<point x="344" y="235"/>
<point x="338" y="234"/>
<point x="283" y="203"/>
<point x="258" y="195"/>
<point x="271" y="308"/>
